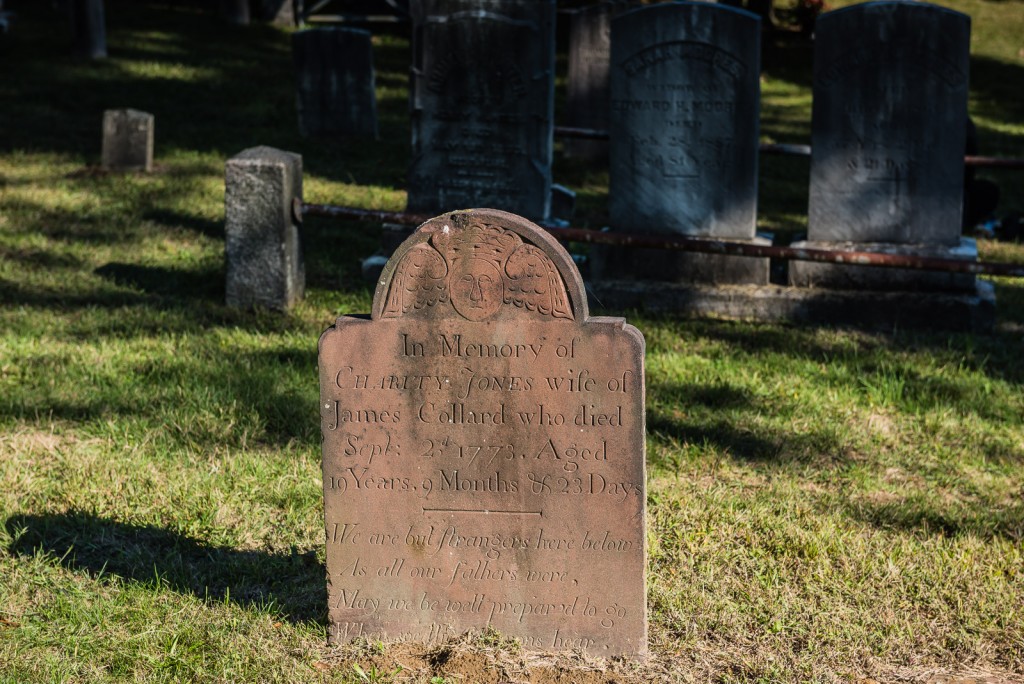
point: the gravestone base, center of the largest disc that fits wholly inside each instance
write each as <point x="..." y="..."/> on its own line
<point x="843" y="277"/>
<point x="662" y="266"/>
<point x="873" y="310"/>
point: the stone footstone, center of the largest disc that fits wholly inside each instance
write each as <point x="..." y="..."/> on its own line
<point x="263" y="249"/>
<point x="483" y="449"/>
<point x="335" y="82"/>
<point x="127" y="140"/>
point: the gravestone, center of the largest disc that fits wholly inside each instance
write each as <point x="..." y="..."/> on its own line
<point x="127" y="140"/>
<point x="483" y="448"/>
<point x="88" y="26"/>
<point x="335" y="82"/>
<point x="888" y="137"/>
<point x="277" y="12"/>
<point x="482" y="97"/>
<point x="236" y="12"/>
<point x="587" y="80"/>
<point x="685" y="96"/>
<point x="262" y="246"/>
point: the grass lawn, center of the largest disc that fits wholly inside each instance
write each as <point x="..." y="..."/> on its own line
<point x="824" y="505"/>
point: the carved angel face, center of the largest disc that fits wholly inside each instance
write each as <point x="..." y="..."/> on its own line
<point x="476" y="289"/>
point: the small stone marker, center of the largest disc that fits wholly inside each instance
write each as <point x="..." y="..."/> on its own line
<point x="262" y="245"/>
<point x="483" y="448"/>
<point x="482" y="105"/>
<point x="127" y="140"/>
<point x="335" y="82"/>
<point x="685" y="95"/>
<point x="888" y="136"/>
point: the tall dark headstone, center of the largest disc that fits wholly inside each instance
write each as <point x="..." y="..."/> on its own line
<point x="888" y="136"/>
<point x="685" y="97"/>
<point x="335" y="82"/>
<point x="587" y="80"/>
<point x="482" y="105"/>
<point x="483" y="449"/>
<point x="88" y="25"/>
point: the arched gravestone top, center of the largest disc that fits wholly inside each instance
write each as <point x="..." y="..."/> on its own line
<point x="480" y="264"/>
<point x="483" y="449"/>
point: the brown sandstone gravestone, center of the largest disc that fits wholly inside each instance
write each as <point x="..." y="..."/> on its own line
<point x="483" y="448"/>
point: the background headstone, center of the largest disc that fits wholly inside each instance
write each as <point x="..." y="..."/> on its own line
<point x="127" y="140"/>
<point x="888" y="137"/>
<point x="482" y="105"/>
<point x="88" y="26"/>
<point x="685" y="99"/>
<point x="235" y="12"/>
<point x="263" y="249"/>
<point x="483" y="448"/>
<point x="586" y="85"/>
<point x="335" y="82"/>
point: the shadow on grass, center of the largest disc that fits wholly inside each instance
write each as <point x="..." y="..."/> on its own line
<point x="191" y="284"/>
<point x="294" y="584"/>
<point x="931" y="517"/>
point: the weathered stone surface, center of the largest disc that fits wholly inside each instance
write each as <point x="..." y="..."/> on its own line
<point x="89" y="28"/>
<point x="334" y="82"/>
<point x="262" y="247"/>
<point x="127" y="140"/>
<point x="483" y="448"/>
<point x="482" y="105"/>
<point x="684" y="120"/>
<point x="889" y="123"/>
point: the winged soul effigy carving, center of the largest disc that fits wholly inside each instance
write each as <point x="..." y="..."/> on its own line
<point x="476" y="267"/>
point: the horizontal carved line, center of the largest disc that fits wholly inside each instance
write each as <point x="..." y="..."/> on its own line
<point x="480" y="510"/>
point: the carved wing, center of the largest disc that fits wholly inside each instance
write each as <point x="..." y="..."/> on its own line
<point x="420" y="280"/>
<point x="535" y="284"/>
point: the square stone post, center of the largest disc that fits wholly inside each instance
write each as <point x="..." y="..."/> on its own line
<point x="262" y="244"/>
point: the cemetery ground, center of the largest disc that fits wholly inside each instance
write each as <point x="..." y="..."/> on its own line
<point x="823" y="505"/>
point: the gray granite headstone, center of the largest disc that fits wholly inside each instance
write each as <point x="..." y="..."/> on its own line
<point x="262" y="244"/>
<point x="88" y="24"/>
<point x="127" y="140"/>
<point x="888" y="136"/>
<point x="685" y="97"/>
<point x="335" y="82"/>
<point x="482" y="105"/>
<point x="889" y="124"/>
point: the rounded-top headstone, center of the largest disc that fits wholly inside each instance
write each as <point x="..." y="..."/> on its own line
<point x="483" y="448"/>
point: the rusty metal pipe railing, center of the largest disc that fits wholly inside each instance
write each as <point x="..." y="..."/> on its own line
<point x="790" y="149"/>
<point x="701" y="245"/>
